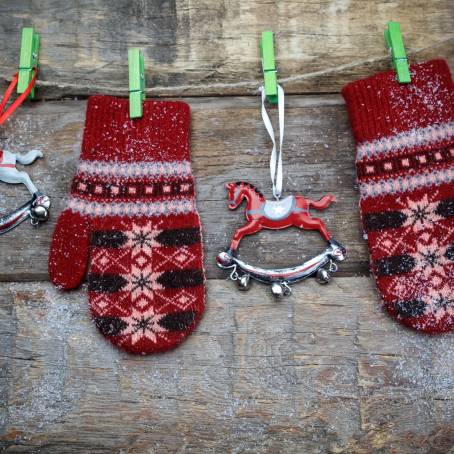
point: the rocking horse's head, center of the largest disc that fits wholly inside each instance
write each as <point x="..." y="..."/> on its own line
<point x="236" y="191"/>
<point x="233" y="194"/>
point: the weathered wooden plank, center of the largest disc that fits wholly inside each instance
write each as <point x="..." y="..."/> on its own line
<point x="228" y="143"/>
<point x="211" y="48"/>
<point x="316" y="372"/>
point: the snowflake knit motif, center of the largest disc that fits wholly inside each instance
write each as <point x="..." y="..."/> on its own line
<point x="404" y="137"/>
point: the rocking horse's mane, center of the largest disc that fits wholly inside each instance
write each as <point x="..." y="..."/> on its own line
<point x="250" y="186"/>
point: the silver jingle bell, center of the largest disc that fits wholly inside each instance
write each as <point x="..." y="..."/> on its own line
<point x="277" y="290"/>
<point x="224" y="260"/>
<point x="39" y="213"/>
<point x="323" y="276"/>
<point x="243" y="282"/>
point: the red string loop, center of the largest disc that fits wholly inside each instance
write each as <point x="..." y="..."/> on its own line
<point x="4" y="115"/>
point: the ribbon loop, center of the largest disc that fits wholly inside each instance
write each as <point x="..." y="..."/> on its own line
<point x="5" y="114"/>
<point x="276" y="154"/>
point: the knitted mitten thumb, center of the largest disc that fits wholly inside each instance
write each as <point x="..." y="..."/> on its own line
<point x="68" y="257"/>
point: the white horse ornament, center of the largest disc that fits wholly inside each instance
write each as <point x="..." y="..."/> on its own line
<point x="37" y="208"/>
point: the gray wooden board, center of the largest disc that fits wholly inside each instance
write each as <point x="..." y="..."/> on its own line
<point x="316" y="372"/>
<point x="229" y="143"/>
<point x="321" y="371"/>
<point x="211" y="48"/>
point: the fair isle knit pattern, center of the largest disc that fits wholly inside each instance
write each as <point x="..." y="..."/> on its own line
<point x="131" y="209"/>
<point x="132" y="227"/>
<point x="405" y="166"/>
<point x="157" y="169"/>
<point x="404" y="183"/>
<point x="417" y="137"/>
<point x="132" y="189"/>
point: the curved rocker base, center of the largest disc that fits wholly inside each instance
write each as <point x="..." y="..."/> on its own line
<point x="37" y="209"/>
<point x="322" y="266"/>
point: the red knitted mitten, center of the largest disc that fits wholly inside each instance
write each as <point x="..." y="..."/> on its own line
<point x="405" y="165"/>
<point x="132" y="216"/>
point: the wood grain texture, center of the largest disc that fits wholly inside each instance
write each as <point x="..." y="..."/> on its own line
<point x="211" y="47"/>
<point x="316" y="372"/>
<point x="324" y="370"/>
<point x="229" y="143"/>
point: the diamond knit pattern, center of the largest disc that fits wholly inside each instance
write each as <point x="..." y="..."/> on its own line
<point x="404" y="137"/>
<point x="131" y="225"/>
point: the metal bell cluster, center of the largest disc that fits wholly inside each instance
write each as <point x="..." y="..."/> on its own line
<point x="321" y="267"/>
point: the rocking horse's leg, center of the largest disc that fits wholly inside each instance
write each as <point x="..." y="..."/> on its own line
<point x="28" y="182"/>
<point x="315" y="224"/>
<point x="247" y="229"/>
<point x="20" y="177"/>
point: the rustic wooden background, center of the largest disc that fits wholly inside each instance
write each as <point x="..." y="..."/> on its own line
<point x="324" y="370"/>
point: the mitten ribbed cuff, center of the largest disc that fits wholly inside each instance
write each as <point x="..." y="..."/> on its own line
<point x="162" y="134"/>
<point x="379" y="106"/>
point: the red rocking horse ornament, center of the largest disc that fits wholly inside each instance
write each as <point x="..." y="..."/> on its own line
<point x="37" y="208"/>
<point x="279" y="214"/>
<point x="275" y="215"/>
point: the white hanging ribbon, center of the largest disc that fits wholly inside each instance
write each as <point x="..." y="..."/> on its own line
<point x="276" y="155"/>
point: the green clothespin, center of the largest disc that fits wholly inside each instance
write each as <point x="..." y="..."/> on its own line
<point x="29" y="50"/>
<point x="269" y="66"/>
<point x="136" y="82"/>
<point x="395" y="43"/>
